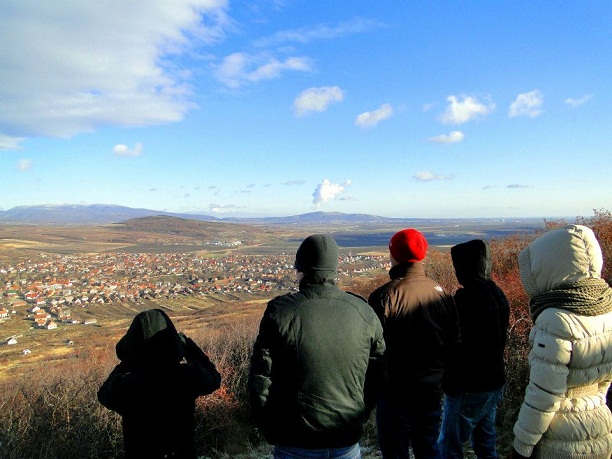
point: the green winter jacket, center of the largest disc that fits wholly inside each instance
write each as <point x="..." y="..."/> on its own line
<point x="317" y="366"/>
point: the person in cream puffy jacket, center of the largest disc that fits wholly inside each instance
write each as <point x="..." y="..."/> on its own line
<point x="564" y="412"/>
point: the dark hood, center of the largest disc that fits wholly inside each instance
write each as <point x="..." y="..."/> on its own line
<point x="151" y="339"/>
<point x="471" y="260"/>
<point x="318" y="254"/>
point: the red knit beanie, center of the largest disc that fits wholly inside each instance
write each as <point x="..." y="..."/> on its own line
<point x="408" y="245"/>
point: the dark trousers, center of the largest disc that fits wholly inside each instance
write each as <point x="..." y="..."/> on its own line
<point x="400" y="428"/>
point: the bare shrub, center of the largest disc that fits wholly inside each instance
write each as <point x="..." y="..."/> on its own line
<point x="223" y="417"/>
<point x="601" y="224"/>
<point x="439" y="266"/>
<point x="363" y="286"/>
<point x="56" y="414"/>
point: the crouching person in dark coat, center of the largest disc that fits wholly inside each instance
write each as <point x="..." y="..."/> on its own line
<point x="154" y="391"/>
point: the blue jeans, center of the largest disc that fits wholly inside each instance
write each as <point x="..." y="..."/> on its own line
<point x="286" y="452"/>
<point x="400" y="428"/>
<point x="469" y="416"/>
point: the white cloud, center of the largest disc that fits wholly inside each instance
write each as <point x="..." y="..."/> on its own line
<point x="320" y="32"/>
<point x="124" y="150"/>
<point x="462" y="109"/>
<point x="451" y="137"/>
<point x="527" y="104"/>
<point x="24" y="164"/>
<point x="317" y="99"/>
<point x="239" y="69"/>
<point x="9" y="143"/>
<point x="369" y="119"/>
<point x="326" y="191"/>
<point x="70" y="67"/>
<point x="224" y="208"/>
<point x="430" y="176"/>
<point x="579" y="101"/>
<point x="518" y="185"/>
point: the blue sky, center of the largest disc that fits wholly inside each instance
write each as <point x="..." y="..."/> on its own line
<point x="271" y="108"/>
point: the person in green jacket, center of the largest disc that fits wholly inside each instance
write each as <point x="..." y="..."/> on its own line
<point x="318" y="364"/>
<point x="154" y="391"/>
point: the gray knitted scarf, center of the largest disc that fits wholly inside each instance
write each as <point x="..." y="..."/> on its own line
<point x="587" y="297"/>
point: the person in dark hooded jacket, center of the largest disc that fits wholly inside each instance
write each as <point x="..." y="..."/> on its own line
<point x="318" y="364"/>
<point x="473" y="393"/>
<point x="154" y="391"/>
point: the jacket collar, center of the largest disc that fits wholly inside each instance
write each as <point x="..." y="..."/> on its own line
<point x="318" y="278"/>
<point x="407" y="269"/>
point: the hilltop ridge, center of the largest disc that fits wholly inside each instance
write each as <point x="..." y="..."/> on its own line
<point x="102" y="214"/>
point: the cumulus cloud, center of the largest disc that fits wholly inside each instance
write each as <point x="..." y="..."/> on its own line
<point x="426" y="176"/>
<point x="369" y="119"/>
<point x="578" y="101"/>
<point x="462" y="109"/>
<point x="24" y="165"/>
<point x="124" y="150"/>
<point x="71" y="67"/>
<point x="451" y="137"/>
<point x="527" y="104"/>
<point x="316" y="99"/>
<point x="239" y="69"/>
<point x="326" y="191"/>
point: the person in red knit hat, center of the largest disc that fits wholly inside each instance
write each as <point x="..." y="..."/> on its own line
<point x="422" y="333"/>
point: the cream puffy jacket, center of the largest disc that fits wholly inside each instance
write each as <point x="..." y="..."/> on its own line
<point x="564" y="413"/>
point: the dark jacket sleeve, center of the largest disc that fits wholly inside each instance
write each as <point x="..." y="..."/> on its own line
<point x="452" y="342"/>
<point x="115" y="392"/>
<point x="376" y="374"/>
<point x="379" y="300"/>
<point x="205" y="377"/>
<point x="261" y="368"/>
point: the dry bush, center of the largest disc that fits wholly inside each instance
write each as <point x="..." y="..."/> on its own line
<point x="55" y="413"/>
<point x="224" y="423"/>
<point x="363" y="286"/>
<point x="601" y="224"/>
<point x="439" y="266"/>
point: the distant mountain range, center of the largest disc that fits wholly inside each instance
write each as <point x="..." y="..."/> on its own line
<point x="102" y="214"/>
<point x="78" y="214"/>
